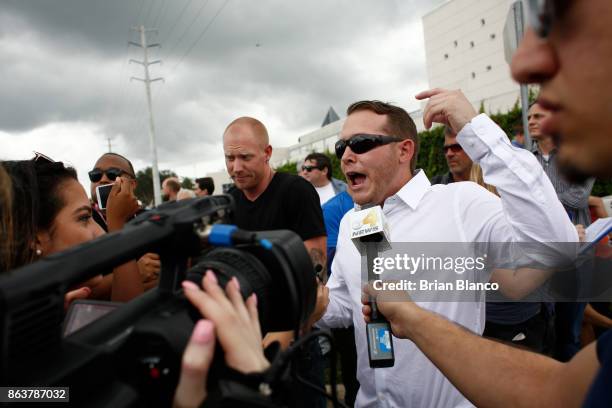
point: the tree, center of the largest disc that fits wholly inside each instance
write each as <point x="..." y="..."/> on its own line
<point x="144" y="188"/>
<point x="187" y="183"/>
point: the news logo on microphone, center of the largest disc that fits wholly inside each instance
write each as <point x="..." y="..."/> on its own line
<point x="370" y="225"/>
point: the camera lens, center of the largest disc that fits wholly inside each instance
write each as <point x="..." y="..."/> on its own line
<point x="250" y="272"/>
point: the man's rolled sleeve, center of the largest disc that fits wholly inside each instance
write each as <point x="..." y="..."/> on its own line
<point x="530" y="204"/>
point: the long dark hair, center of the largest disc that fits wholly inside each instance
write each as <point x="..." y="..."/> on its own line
<point x="35" y="202"/>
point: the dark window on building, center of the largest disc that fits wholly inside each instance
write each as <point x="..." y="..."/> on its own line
<point x="482" y="21"/>
<point x="455" y="42"/>
<point x="488" y="67"/>
<point x="492" y="36"/>
<point x="473" y="75"/>
<point x="445" y="56"/>
<point x="471" y="44"/>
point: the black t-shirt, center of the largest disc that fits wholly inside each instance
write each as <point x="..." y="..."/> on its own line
<point x="289" y="202"/>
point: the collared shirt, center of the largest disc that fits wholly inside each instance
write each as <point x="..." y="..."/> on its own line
<point x="458" y="212"/>
<point x="573" y="196"/>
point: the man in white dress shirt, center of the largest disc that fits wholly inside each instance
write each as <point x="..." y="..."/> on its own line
<point x="378" y="147"/>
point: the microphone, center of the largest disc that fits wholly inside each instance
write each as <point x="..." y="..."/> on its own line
<point x="369" y="225"/>
<point x="370" y="234"/>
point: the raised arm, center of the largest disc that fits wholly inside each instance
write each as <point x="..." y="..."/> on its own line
<point x="122" y="204"/>
<point x="532" y="212"/>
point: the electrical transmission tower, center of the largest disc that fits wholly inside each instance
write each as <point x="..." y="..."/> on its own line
<point x="147" y="82"/>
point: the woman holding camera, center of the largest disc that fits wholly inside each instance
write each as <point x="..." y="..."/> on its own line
<point x="44" y="210"/>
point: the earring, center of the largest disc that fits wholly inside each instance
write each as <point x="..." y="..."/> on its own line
<point x="38" y="251"/>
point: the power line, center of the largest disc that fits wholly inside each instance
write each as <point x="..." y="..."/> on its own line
<point x="140" y="8"/>
<point x="119" y="89"/>
<point x="201" y="34"/>
<point x="138" y="123"/>
<point x="159" y="14"/>
<point x="147" y="82"/>
<point x="149" y="12"/>
<point x="188" y="27"/>
<point x="180" y="15"/>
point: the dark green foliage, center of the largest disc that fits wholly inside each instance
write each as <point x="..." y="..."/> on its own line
<point x="602" y="188"/>
<point x="144" y="188"/>
<point x="187" y="183"/>
<point x="431" y="158"/>
<point x="289" y="167"/>
<point x="509" y="120"/>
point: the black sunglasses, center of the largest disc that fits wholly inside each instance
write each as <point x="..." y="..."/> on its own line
<point x="112" y="173"/>
<point x="363" y="143"/>
<point x="455" y="148"/>
<point x="310" y="168"/>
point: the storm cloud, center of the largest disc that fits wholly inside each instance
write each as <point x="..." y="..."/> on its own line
<point x="65" y="66"/>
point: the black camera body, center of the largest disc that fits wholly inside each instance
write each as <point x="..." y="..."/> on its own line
<point x="131" y="357"/>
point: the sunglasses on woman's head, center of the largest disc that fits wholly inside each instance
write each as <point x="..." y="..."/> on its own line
<point x="41" y="158"/>
<point x="363" y="143"/>
<point x="112" y="173"/>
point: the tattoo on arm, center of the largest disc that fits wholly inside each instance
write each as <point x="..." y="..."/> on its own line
<point x="319" y="260"/>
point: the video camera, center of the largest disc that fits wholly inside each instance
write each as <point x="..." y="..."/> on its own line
<point x="131" y="357"/>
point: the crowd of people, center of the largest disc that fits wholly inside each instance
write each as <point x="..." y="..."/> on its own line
<point x="496" y="190"/>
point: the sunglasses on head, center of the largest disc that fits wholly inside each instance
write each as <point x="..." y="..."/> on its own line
<point x="310" y="168"/>
<point x="455" y="148"/>
<point x="112" y="173"/>
<point x="363" y="143"/>
<point x="41" y="158"/>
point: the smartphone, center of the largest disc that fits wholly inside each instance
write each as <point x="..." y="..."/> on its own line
<point x="83" y="312"/>
<point x="380" y="345"/>
<point x="103" y="192"/>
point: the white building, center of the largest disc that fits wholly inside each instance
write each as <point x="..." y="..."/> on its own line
<point x="319" y="140"/>
<point x="464" y="49"/>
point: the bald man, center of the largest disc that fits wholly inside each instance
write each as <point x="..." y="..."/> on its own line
<point x="267" y="200"/>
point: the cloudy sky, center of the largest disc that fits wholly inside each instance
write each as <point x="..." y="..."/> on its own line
<point x="65" y="76"/>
